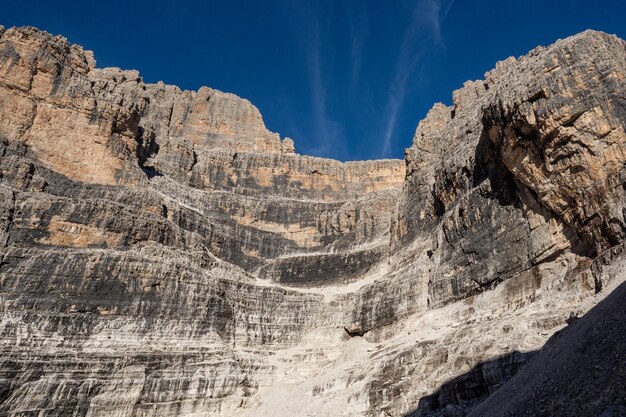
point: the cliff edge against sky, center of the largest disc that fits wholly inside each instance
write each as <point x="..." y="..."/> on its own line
<point x="163" y="253"/>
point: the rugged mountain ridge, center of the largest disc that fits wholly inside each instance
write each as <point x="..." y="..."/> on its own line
<point x="163" y="253"/>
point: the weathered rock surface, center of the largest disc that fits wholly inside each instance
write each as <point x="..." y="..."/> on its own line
<point x="163" y="253"/>
<point x="580" y="371"/>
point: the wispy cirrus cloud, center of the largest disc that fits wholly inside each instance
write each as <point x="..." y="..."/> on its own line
<point x="426" y="18"/>
<point x="328" y="134"/>
<point x="357" y="26"/>
<point x="435" y="11"/>
<point x="325" y="134"/>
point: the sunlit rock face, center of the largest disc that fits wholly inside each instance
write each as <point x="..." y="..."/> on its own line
<point x="163" y="254"/>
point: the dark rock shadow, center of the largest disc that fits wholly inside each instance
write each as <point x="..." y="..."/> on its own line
<point x="579" y="371"/>
<point x="151" y="172"/>
<point x="462" y="394"/>
<point x="488" y="166"/>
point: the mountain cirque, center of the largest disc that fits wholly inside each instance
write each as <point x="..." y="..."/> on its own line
<point x="164" y="254"/>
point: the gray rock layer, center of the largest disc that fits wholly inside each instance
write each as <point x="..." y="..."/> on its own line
<point x="162" y="253"/>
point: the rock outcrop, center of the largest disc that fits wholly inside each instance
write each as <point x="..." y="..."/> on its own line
<point x="163" y="253"/>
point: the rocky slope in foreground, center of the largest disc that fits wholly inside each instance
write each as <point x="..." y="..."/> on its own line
<point x="163" y="253"/>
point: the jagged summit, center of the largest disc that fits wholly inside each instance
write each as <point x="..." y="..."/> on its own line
<point x="163" y="253"/>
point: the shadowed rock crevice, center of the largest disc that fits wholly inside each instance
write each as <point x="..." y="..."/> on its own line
<point x="488" y="167"/>
<point x="147" y="149"/>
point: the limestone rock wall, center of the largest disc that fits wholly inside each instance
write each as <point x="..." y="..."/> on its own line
<point x="483" y="172"/>
<point x="163" y="253"/>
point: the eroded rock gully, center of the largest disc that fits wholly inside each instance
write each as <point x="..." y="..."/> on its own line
<point x="163" y="253"/>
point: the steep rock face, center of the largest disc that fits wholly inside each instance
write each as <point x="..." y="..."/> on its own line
<point x="106" y="126"/>
<point x="163" y="253"/>
<point x="516" y="155"/>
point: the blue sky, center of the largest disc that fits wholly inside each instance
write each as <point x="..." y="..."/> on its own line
<point x="345" y="79"/>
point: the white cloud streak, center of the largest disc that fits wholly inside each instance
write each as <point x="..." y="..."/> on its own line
<point x="357" y="26"/>
<point x="328" y="136"/>
<point x="426" y="13"/>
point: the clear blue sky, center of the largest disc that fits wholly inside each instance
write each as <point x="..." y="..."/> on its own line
<point x="344" y="79"/>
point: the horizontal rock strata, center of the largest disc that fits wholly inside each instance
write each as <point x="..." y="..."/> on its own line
<point x="162" y="253"/>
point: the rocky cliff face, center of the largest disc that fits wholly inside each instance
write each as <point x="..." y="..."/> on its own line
<point x="163" y="253"/>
